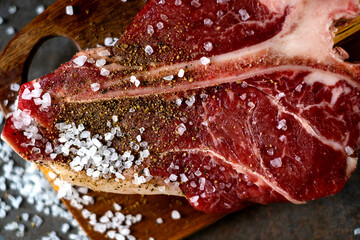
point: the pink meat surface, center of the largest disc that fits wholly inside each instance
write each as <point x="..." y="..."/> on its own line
<point x="234" y="102"/>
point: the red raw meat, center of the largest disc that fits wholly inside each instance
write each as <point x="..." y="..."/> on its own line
<point x="237" y="102"/>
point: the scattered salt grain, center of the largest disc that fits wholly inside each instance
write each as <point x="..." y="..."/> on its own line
<point x="178" y="102"/>
<point x="276" y="163"/>
<point x="194" y="199"/>
<point x="282" y="125"/>
<point x="204" y="60"/>
<point x="39" y="9"/>
<point x="69" y="10"/>
<point x="195" y="3"/>
<point x="191" y="101"/>
<point x="357" y="231"/>
<point x="12" y="9"/>
<point x="80" y="61"/>
<point x="175" y="215"/>
<point x="37" y="220"/>
<point x="208" y="46"/>
<point x="117" y="207"/>
<point x="160" y="25"/>
<point x="100" y="62"/>
<point x="159" y="221"/>
<point x="178" y="2"/>
<point x="25" y="217"/>
<point x="149" y="50"/>
<point x="104" y="53"/>
<point x="114" y="118"/>
<point x="173" y="177"/>
<point x="298" y="88"/>
<point x="65" y="228"/>
<point x="181" y="128"/>
<point x="104" y="72"/>
<point x="244" y="15"/>
<point x="208" y="22"/>
<point x="169" y="78"/>
<point x="181" y="73"/>
<point x="14" y="87"/>
<point x="10" y="30"/>
<point x="282" y="138"/>
<point x="109" y="41"/>
<point x="95" y="87"/>
<point x="150" y="29"/>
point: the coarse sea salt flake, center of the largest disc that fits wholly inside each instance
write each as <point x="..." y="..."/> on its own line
<point x="181" y="73"/>
<point x="276" y="163"/>
<point x="104" y="72"/>
<point x="204" y="60"/>
<point x="175" y="215"/>
<point x="178" y="2"/>
<point x="150" y="29"/>
<point x="69" y="10"/>
<point x="95" y="87"/>
<point x="159" y="221"/>
<point x="100" y="62"/>
<point x="160" y="25"/>
<point x="14" y="87"/>
<point x="208" y="46"/>
<point x="181" y="128"/>
<point x="208" y="22"/>
<point x="169" y="78"/>
<point x="104" y="53"/>
<point x="244" y="15"/>
<point x="149" y="50"/>
<point x="80" y="60"/>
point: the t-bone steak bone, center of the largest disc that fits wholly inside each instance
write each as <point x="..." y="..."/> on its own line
<point x="224" y="102"/>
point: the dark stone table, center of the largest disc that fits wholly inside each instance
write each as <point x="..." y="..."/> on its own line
<point x="331" y="218"/>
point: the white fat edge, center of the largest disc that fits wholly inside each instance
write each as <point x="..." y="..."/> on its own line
<point x="147" y="91"/>
<point x="322" y="77"/>
<point x="335" y="94"/>
<point x="351" y="163"/>
<point x="311" y="37"/>
<point x="240" y="168"/>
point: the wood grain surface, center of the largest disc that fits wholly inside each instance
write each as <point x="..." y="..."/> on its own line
<point x="93" y="20"/>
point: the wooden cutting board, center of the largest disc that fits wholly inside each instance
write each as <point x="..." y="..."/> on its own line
<point x="93" y="20"/>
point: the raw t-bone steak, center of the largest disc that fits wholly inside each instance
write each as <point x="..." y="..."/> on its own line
<point x="224" y="102"/>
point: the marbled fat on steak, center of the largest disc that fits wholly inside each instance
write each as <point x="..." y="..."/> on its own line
<point x="225" y="102"/>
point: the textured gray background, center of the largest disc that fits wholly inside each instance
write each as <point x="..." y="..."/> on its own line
<point x="333" y="217"/>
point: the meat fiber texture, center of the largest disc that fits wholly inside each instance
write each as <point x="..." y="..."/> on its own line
<point x="224" y="102"/>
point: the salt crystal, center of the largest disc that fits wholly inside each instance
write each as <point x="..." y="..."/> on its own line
<point x="104" y="72"/>
<point x="160" y="25"/>
<point x="80" y="61"/>
<point x="208" y="46"/>
<point x="191" y="101"/>
<point x="100" y="62"/>
<point x="219" y="13"/>
<point x="208" y="22"/>
<point x="150" y="29"/>
<point x="202" y="183"/>
<point x="125" y="231"/>
<point x="65" y="228"/>
<point x="12" y="9"/>
<point x="357" y="231"/>
<point x="298" y="88"/>
<point x="149" y="50"/>
<point x="69" y="10"/>
<point x="181" y="73"/>
<point x="279" y="96"/>
<point x="181" y="128"/>
<point x="100" y="227"/>
<point x="251" y="104"/>
<point x="244" y="15"/>
<point x="204" y="60"/>
<point x="169" y="78"/>
<point x="173" y="177"/>
<point x="104" y="53"/>
<point x="270" y="151"/>
<point x="282" y="138"/>
<point x="109" y="41"/>
<point x="14" y="87"/>
<point x="25" y="217"/>
<point x="183" y="177"/>
<point x="10" y="30"/>
<point x="222" y="1"/>
<point x="178" y="2"/>
<point x="178" y="102"/>
<point x="282" y="125"/>
<point x="39" y="9"/>
<point x="175" y="215"/>
<point x="194" y="199"/>
<point x="276" y="163"/>
<point x="37" y="220"/>
<point x="195" y="3"/>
